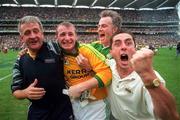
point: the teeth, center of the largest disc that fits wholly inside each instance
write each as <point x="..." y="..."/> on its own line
<point x="124" y="57"/>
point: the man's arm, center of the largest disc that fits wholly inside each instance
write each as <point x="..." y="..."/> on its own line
<point x="163" y="100"/>
<point x="102" y="72"/>
<point x="164" y="103"/>
<point x="31" y="92"/>
<point x="76" y="90"/>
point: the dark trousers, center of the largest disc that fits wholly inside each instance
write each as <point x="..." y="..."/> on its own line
<point x="54" y="112"/>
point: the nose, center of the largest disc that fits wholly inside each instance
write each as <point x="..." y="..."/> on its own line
<point x="66" y="36"/>
<point x="123" y="46"/>
<point x="32" y="34"/>
<point x="99" y="28"/>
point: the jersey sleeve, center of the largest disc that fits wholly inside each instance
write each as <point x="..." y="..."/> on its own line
<point x="98" y="63"/>
<point x="17" y="78"/>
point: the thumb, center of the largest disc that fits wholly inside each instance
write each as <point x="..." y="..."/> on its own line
<point x="34" y="83"/>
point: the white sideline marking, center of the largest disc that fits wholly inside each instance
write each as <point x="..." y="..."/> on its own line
<point x="5" y="77"/>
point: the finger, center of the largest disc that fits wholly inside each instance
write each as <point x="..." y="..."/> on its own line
<point x="36" y="89"/>
<point x="132" y="63"/>
<point x="77" y="59"/>
<point x="37" y="93"/>
<point x="34" y="83"/>
<point x="147" y="53"/>
<point x="81" y="56"/>
<point x="36" y="97"/>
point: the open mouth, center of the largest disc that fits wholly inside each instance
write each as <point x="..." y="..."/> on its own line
<point x="102" y="35"/>
<point x="124" y="57"/>
<point x="33" y="41"/>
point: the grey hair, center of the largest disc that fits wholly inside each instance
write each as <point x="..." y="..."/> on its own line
<point x="29" y="19"/>
<point x="116" y="18"/>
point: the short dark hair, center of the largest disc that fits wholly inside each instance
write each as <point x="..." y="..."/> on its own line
<point x="119" y="32"/>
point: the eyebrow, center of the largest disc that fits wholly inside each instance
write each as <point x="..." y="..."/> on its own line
<point x="127" y="39"/>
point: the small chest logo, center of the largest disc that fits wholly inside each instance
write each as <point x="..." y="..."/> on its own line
<point x="49" y="60"/>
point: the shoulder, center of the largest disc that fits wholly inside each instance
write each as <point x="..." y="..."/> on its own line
<point x="88" y="46"/>
<point x="87" y="49"/>
<point x="96" y="43"/>
<point x="54" y="46"/>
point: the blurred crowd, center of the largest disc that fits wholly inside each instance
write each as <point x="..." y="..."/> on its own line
<point x="13" y="13"/>
<point x="144" y="24"/>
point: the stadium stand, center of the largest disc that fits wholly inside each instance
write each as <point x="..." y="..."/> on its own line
<point x="156" y="27"/>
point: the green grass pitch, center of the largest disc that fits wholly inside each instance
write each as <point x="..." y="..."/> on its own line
<point x="164" y="62"/>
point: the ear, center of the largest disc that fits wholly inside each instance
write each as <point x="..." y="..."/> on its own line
<point x="110" y="51"/>
<point x="110" y="55"/>
<point x="56" y="36"/>
<point x="77" y="37"/>
<point x="21" y="39"/>
<point x="115" y="29"/>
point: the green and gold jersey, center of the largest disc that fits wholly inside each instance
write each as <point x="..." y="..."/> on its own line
<point x="103" y="50"/>
<point x="74" y="74"/>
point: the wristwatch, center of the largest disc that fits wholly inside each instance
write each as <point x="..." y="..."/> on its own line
<point x="154" y="84"/>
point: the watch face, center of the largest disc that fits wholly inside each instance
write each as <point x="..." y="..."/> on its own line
<point x="156" y="82"/>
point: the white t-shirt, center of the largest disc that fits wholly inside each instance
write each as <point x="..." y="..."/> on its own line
<point x="129" y="99"/>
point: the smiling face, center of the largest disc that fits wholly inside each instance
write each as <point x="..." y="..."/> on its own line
<point x="66" y="37"/>
<point x="32" y="36"/>
<point x="122" y="49"/>
<point x="105" y="30"/>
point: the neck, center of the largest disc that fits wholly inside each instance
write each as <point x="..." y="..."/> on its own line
<point x="33" y="52"/>
<point x="124" y="72"/>
<point x="73" y="52"/>
<point x="106" y="44"/>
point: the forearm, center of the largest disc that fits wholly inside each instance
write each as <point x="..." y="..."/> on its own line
<point x="19" y="94"/>
<point x="77" y="90"/>
<point x="164" y="103"/>
<point x="163" y="100"/>
<point x="88" y="84"/>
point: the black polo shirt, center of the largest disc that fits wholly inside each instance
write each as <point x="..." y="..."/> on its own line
<point x="47" y="68"/>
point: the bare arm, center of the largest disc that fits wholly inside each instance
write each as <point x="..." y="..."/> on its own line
<point x="164" y="103"/>
<point x="76" y="90"/>
<point x="163" y="100"/>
